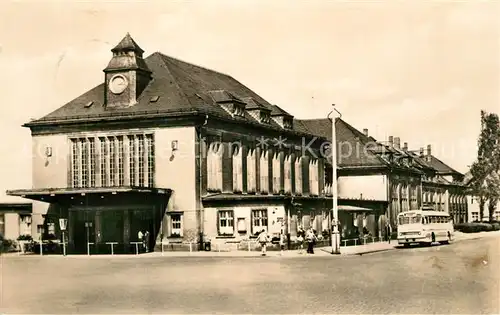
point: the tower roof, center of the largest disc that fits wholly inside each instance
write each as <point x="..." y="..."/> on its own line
<point x="127" y="43"/>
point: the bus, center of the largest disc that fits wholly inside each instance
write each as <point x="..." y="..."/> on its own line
<point x="424" y="227"/>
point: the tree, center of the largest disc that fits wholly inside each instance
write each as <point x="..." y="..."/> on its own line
<point x="486" y="169"/>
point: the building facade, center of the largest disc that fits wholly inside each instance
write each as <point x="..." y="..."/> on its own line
<point x="15" y="220"/>
<point x="191" y="155"/>
<point x="185" y="153"/>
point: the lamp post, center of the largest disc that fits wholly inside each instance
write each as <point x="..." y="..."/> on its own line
<point x="335" y="209"/>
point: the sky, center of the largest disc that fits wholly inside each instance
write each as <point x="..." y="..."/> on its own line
<point x="418" y="70"/>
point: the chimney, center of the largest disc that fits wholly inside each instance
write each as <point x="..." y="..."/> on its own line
<point x="405" y="146"/>
<point x="421" y="152"/>
<point x="397" y="142"/>
<point x="391" y="142"/>
<point x="365" y="132"/>
<point x="429" y="156"/>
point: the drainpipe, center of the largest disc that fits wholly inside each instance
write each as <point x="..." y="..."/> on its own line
<point x="200" y="178"/>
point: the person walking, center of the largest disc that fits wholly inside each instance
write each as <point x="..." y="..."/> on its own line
<point x="282" y="242"/>
<point x="146" y="240"/>
<point x="388" y="232"/>
<point x="311" y="240"/>
<point x="263" y="238"/>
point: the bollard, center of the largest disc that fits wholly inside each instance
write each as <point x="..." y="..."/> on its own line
<point x="190" y="247"/>
<point x="41" y="248"/>
<point x="88" y="249"/>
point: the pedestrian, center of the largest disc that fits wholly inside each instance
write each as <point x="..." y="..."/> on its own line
<point x="311" y="240"/>
<point x="282" y="242"/>
<point x="388" y="232"/>
<point x="146" y="240"/>
<point x="140" y="237"/>
<point x="263" y="238"/>
<point x="300" y="240"/>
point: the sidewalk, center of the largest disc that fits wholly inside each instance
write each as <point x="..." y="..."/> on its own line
<point x="318" y="252"/>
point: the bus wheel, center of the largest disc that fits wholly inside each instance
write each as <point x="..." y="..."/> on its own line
<point x="433" y="237"/>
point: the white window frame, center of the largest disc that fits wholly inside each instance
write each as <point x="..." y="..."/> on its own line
<point x="263" y="220"/>
<point x="226" y="216"/>
<point x="176" y="219"/>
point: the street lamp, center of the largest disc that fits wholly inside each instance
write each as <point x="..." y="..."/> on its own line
<point x="335" y="209"/>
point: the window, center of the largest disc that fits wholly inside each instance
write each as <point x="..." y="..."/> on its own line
<point x="237" y="169"/>
<point x="85" y="163"/>
<point x="103" y="155"/>
<point x="151" y="160"/>
<point x="140" y="153"/>
<point x="251" y="171"/>
<point x="133" y="164"/>
<point x="264" y="172"/>
<point x="2" y="224"/>
<point x="120" y="161"/>
<point x="298" y="175"/>
<point x="214" y="167"/>
<point x="276" y="173"/>
<point x="259" y="220"/>
<point x="226" y="222"/>
<point x="176" y="225"/>
<point x="75" y="163"/>
<point x="313" y="177"/>
<point x="51" y="228"/>
<point x="475" y="216"/>
<point x="92" y="162"/>
<point x="86" y="169"/>
<point x="288" y="174"/>
<point x="112" y="161"/>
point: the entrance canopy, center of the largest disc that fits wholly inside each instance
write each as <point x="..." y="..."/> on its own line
<point x="57" y="195"/>
<point x="354" y="209"/>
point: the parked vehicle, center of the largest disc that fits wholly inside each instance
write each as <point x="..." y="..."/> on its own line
<point x="424" y="227"/>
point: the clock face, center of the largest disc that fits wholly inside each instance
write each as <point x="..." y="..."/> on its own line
<point x="118" y="84"/>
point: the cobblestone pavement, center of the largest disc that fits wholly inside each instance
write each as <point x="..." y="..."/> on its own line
<point x="458" y="278"/>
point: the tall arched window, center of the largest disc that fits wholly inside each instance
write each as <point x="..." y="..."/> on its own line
<point x="288" y="173"/>
<point x="237" y="169"/>
<point x="214" y="167"/>
<point x="298" y="175"/>
<point x="264" y="171"/>
<point x="276" y="173"/>
<point x="251" y="171"/>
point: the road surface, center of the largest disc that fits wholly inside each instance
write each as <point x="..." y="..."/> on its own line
<point x="458" y="278"/>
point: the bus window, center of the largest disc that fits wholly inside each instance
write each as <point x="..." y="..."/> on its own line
<point x="424" y="220"/>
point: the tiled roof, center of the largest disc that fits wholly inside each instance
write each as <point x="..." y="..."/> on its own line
<point x="127" y="43"/>
<point x="179" y="87"/>
<point x="441" y="167"/>
<point x="350" y="142"/>
<point x="278" y="111"/>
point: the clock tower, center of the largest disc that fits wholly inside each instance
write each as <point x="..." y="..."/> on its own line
<point x="126" y="75"/>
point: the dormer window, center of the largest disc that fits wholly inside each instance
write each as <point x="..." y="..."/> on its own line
<point x="229" y="102"/>
<point x="258" y="111"/>
<point x="265" y="117"/>
<point x="282" y="118"/>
